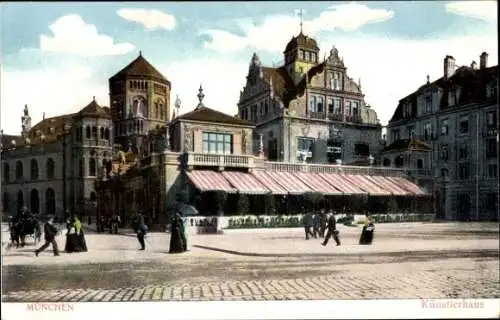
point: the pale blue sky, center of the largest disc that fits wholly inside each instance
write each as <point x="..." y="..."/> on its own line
<point x="209" y="44"/>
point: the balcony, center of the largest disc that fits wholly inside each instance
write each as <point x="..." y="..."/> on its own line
<point x="220" y="160"/>
<point x="490" y="132"/>
<point x="317" y="115"/>
<point x="353" y="119"/>
<point x="335" y="117"/>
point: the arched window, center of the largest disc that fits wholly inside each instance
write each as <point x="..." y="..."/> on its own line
<point x="80" y="168"/>
<point x="50" y="201"/>
<point x="92" y="167"/>
<point x="87" y="132"/>
<point x="5" y="202"/>
<point x="20" y="200"/>
<point x="102" y="133"/>
<point x="106" y="134"/>
<point x="399" y="162"/>
<point x="34" y="169"/>
<point x="19" y="170"/>
<point x="162" y="112"/>
<point x="35" y="201"/>
<point x="92" y="196"/>
<point x="6" y="172"/>
<point x="157" y="110"/>
<point x="51" y="167"/>
<point x="94" y="132"/>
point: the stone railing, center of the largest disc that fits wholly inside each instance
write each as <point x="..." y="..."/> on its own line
<point x="322" y="168"/>
<point x="220" y="160"/>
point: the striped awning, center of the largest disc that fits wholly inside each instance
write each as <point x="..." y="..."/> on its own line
<point x="315" y="182"/>
<point x="408" y="185"/>
<point x="388" y="185"/>
<point x="245" y="182"/>
<point x="344" y="185"/>
<point x="207" y="180"/>
<point x="268" y="182"/>
<point x="367" y="185"/>
<point x="288" y="181"/>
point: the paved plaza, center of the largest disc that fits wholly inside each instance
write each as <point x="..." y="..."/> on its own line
<point x="446" y="260"/>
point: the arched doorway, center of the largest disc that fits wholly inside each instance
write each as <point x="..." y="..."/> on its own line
<point x="50" y="201"/>
<point x="20" y="200"/>
<point x="35" y="201"/>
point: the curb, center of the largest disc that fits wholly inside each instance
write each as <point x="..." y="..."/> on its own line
<point x="441" y="253"/>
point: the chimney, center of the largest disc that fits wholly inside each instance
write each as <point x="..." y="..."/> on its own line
<point x="483" y="60"/>
<point x="473" y="65"/>
<point x="43" y="116"/>
<point x="449" y="67"/>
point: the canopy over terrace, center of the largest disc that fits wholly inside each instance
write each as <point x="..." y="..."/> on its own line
<point x="296" y="183"/>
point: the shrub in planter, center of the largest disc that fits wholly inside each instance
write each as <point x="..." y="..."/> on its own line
<point x="243" y="205"/>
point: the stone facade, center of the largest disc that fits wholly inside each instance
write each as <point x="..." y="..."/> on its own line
<point x="457" y="116"/>
<point x="309" y="108"/>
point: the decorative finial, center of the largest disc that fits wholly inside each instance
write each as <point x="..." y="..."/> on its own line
<point x="93" y="98"/>
<point x="43" y="116"/>
<point x="200" y="95"/>
<point x="140" y="53"/>
<point x="428" y="79"/>
<point x="300" y="15"/>
<point x="359" y="83"/>
<point x="177" y="102"/>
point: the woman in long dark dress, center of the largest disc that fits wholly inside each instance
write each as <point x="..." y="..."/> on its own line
<point x="367" y="232"/>
<point x="176" y="245"/>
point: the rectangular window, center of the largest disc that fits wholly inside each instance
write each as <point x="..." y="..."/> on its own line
<point x="411" y="131"/>
<point x="348" y="107"/>
<point x="355" y="108"/>
<point x="464" y="124"/>
<point x="444" y="152"/>
<point x="320" y="104"/>
<point x="336" y="81"/>
<point x="313" y="57"/>
<point x="444" y="127"/>
<point x="463" y="171"/>
<point x="491" y="148"/>
<point x="395" y="135"/>
<point x="312" y="104"/>
<point x="428" y="131"/>
<point x="305" y="144"/>
<point x="221" y="143"/>
<point x="301" y="54"/>
<point x="492" y="171"/>
<point x="329" y="102"/>
<point x="463" y="152"/>
<point x="428" y="104"/>
<point x="336" y="106"/>
<point x="306" y="55"/>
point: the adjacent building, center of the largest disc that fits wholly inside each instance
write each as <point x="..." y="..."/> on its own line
<point x="52" y="166"/>
<point x="448" y="131"/>
<point x="309" y="109"/>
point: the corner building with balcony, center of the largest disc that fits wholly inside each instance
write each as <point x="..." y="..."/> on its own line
<point x="447" y="133"/>
<point x="309" y="108"/>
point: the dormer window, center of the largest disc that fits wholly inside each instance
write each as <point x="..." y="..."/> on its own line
<point x="301" y="54"/>
<point x="313" y="57"/>
<point x="306" y="56"/>
<point x="453" y="97"/>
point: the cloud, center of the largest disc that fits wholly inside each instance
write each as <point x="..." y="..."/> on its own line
<point x="484" y="10"/>
<point x="71" y="34"/>
<point x="276" y="30"/>
<point x="222" y="80"/>
<point x="55" y="91"/>
<point x="150" y="19"/>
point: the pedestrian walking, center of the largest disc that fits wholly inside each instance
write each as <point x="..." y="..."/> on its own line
<point x="316" y="224"/>
<point x="332" y="230"/>
<point x="141" y="230"/>
<point x="366" y="237"/>
<point x="308" y="224"/>
<point x="322" y="223"/>
<point x="50" y="232"/>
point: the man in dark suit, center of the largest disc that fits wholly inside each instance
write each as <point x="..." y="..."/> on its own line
<point x="140" y="229"/>
<point x="50" y="232"/>
<point x="332" y="230"/>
